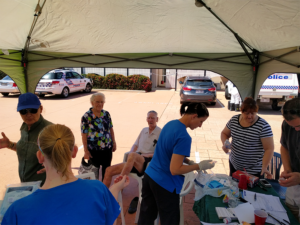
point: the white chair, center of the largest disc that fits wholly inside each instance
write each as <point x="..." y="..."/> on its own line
<point x="91" y="176"/>
<point x="139" y="180"/>
<point x="87" y="176"/>
<point x="186" y="188"/>
<point x="120" y="201"/>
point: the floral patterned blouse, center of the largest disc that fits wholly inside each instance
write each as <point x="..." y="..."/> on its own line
<point x="97" y="130"/>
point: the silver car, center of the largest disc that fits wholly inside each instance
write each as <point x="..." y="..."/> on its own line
<point x="198" y="89"/>
<point x="7" y="85"/>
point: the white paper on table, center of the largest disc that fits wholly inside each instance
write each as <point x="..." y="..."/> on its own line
<point x="278" y="215"/>
<point x="244" y="212"/>
<point x="266" y="202"/>
<point x="218" y="223"/>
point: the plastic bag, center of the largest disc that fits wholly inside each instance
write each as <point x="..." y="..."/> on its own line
<point x="87" y="167"/>
<point x="203" y="180"/>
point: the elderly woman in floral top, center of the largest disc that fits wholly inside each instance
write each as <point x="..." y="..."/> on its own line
<point x="97" y="133"/>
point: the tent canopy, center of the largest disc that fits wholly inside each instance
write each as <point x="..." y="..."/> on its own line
<point x="244" y="41"/>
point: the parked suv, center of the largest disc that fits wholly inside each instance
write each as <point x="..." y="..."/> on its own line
<point x="198" y="89"/>
<point x="62" y="82"/>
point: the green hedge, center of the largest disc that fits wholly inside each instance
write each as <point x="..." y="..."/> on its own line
<point x="118" y="81"/>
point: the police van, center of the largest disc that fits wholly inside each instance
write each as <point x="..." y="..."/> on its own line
<point x="62" y="82"/>
<point x="275" y="91"/>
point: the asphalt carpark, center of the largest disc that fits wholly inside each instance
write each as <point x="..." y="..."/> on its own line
<point x="128" y="110"/>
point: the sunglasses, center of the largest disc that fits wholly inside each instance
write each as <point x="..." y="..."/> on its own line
<point x="25" y="111"/>
<point x="291" y="111"/>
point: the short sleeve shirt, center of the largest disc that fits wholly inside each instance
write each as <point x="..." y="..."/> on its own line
<point x="97" y="130"/>
<point x="26" y="151"/>
<point x="78" y="202"/>
<point x="290" y="139"/>
<point x="173" y="139"/>
<point x="246" y="147"/>
<point x="146" y="142"/>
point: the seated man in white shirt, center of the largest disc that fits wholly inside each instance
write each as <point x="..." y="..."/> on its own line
<point x="141" y="152"/>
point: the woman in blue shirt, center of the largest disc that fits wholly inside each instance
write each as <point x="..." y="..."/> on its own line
<point x="65" y="199"/>
<point x="163" y="177"/>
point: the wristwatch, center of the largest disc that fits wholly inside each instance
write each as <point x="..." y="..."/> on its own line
<point x="11" y="145"/>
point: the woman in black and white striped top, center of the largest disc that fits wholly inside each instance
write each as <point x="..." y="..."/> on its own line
<point x="252" y="145"/>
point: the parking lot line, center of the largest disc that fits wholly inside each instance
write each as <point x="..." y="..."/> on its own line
<point x="220" y="103"/>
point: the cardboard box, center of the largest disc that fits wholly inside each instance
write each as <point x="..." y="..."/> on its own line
<point x="251" y="180"/>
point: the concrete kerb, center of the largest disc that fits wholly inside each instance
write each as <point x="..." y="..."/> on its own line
<point x="141" y="91"/>
<point x="117" y="90"/>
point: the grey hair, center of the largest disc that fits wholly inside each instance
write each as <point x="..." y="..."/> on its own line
<point x="152" y="111"/>
<point x="97" y="94"/>
<point x="291" y="109"/>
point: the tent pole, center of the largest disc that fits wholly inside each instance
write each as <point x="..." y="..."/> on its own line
<point x="176" y="81"/>
<point x="104" y="71"/>
<point x="244" y="48"/>
<point x="38" y="11"/>
<point x="24" y="62"/>
<point x="255" y="71"/>
<point x="205" y="73"/>
<point x="232" y="31"/>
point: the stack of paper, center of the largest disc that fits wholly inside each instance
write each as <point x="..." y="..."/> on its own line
<point x="269" y="203"/>
<point x="244" y="212"/>
<point x="225" y="213"/>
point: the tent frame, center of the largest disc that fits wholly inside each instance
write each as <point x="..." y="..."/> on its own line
<point x="35" y="64"/>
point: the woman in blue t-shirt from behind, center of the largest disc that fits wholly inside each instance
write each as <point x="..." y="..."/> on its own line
<point x="163" y="177"/>
<point x="65" y="199"/>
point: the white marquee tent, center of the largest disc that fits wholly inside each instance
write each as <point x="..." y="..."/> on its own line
<point x="243" y="40"/>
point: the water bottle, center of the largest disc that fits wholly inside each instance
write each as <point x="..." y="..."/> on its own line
<point x="232" y="201"/>
<point x="234" y="188"/>
<point x="227" y="220"/>
<point x="227" y="145"/>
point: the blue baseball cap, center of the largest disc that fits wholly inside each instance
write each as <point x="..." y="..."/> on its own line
<point x="28" y="101"/>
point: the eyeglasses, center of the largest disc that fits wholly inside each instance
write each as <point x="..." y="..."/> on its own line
<point x="25" y="111"/>
<point x="38" y="142"/>
<point x="291" y="111"/>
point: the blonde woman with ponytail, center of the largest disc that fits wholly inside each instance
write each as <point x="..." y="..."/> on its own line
<point x="65" y="199"/>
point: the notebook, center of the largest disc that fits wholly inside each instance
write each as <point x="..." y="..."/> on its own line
<point x="225" y="213"/>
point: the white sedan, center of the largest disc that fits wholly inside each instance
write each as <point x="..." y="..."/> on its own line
<point x="62" y="82"/>
<point x="7" y="85"/>
<point x="59" y="82"/>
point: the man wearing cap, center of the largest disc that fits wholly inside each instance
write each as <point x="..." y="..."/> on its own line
<point x="30" y="109"/>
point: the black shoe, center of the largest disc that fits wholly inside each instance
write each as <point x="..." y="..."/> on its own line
<point x="133" y="205"/>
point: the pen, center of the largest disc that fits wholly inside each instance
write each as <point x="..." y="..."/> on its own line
<point x="262" y="188"/>
<point x="276" y="219"/>
<point x="255" y="197"/>
<point x="242" y="199"/>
